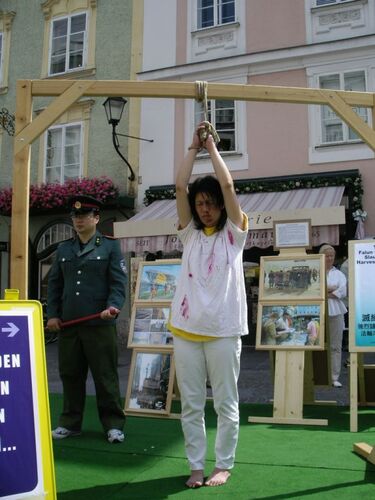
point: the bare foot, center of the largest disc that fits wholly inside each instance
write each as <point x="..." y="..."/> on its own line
<point x="218" y="477"/>
<point x="196" y="479"/>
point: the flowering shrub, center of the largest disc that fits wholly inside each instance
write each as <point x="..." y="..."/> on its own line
<point x="52" y="196"/>
<point x="5" y="201"/>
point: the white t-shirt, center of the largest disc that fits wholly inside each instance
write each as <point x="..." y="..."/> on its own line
<point x="210" y="298"/>
<point x="336" y="278"/>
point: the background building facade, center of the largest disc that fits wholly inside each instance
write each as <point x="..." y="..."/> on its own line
<point x="64" y="39"/>
<point x="295" y="43"/>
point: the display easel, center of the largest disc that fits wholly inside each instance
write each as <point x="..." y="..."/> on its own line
<point x="361" y="332"/>
<point x="289" y="379"/>
<point x="153" y="291"/>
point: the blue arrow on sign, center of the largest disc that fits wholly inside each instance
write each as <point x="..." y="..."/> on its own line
<point x="12" y="330"/>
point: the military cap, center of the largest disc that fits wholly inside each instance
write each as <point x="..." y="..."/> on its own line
<point x="81" y="204"/>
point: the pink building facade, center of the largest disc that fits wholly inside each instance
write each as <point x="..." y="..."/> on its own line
<point x="293" y="43"/>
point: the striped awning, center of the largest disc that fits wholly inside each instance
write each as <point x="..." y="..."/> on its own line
<point x="154" y="228"/>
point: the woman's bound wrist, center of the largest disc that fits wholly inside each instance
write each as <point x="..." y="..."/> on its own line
<point x="197" y="148"/>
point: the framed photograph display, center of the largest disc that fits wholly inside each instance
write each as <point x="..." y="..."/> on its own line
<point x="289" y="325"/>
<point x="134" y="265"/>
<point x="148" y="326"/>
<point x="291" y="278"/>
<point x="292" y="234"/>
<point x="157" y="280"/>
<point x="150" y="385"/>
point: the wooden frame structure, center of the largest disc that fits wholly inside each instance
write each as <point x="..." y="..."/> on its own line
<point x="150" y="397"/>
<point x="290" y="382"/>
<point x="67" y="92"/>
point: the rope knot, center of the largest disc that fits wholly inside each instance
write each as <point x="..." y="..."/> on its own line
<point x="201" y="96"/>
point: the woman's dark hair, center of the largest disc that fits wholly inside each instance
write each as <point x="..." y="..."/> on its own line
<point x="209" y="186"/>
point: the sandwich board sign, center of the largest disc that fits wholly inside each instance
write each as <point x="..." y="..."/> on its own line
<point x="26" y="459"/>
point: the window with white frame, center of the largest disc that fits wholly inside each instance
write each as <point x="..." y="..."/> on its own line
<point x="333" y="129"/>
<point x="1" y="57"/>
<point x="54" y="234"/>
<point x="63" y="158"/>
<point x="328" y="2"/>
<point x="215" y="12"/>
<point x="68" y="43"/>
<point x="222" y="115"/>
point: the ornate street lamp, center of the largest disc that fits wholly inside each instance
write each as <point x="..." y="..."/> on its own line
<point x="114" y="107"/>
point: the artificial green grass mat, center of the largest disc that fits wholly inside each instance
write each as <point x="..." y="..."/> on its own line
<point x="272" y="461"/>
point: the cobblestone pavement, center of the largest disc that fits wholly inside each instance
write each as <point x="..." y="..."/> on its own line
<point x="255" y="383"/>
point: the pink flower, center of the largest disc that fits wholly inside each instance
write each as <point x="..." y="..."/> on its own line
<point x="53" y="195"/>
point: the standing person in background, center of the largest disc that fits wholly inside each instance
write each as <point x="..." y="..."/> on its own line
<point x="336" y="291"/>
<point x="271" y="334"/>
<point x="87" y="277"/>
<point x="209" y="312"/>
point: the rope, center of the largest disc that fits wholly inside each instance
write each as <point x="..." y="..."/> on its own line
<point x="201" y="96"/>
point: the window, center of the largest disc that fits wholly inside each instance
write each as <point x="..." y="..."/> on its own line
<point x="69" y="38"/>
<point x="46" y="250"/>
<point x="54" y="234"/>
<point x="1" y="56"/>
<point x="327" y="2"/>
<point x="222" y="115"/>
<point x="6" y="20"/>
<point x="68" y="44"/>
<point x="215" y="12"/>
<point x="63" y="158"/>
<point x="333" y="129"/>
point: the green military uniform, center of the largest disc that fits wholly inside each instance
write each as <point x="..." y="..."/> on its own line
<point x="84" y="280"/>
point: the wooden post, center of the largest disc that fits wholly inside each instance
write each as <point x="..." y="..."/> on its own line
<point x="20" y="200"/>
<point x="288" y="391"/>
<point x="353" y="392"/>
<point x="366" y="451"/>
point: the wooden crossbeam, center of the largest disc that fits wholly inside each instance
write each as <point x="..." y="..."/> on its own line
<point x="186" y="90"/>
<point x="69" y="91"/>
<point x="52" y="113"/>
<point x="341" y="108"/>
<point x="366" y="451"/>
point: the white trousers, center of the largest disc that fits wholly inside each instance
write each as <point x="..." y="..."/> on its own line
<point x="220" y="361"/>
<point x="336" y="328"/>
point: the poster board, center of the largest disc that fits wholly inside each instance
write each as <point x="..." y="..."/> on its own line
<point x="302" y="330"/>
<point x="151" y="382"/>
<point x="156" y="281"/>
<point x="291" y="310"/>
<point x="361" y="295"/>
<point x="148" y="326"/>
<point x="290" y="316"/>
<point x="26" y="456"/>
<point x="361" y="323"/>
<point x="292" y="234"/>
<point x="151" y="387"/>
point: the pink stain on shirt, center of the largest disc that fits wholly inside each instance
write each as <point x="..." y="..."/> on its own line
<point x="230" y="236"/>
<point x="211" y="263"/>
<point x="184" y="309"/>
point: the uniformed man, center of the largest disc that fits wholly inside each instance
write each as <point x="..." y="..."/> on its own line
<point x="87" y="277"/>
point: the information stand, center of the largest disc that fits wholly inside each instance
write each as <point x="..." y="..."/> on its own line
<point x="26" y="458"/>
<point x="295" y="270"/>
<point x="151" y="383"/>
<point x="361" y="327"/>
